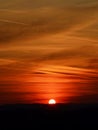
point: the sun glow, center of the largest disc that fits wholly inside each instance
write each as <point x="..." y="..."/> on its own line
<point x="52" y="101"/>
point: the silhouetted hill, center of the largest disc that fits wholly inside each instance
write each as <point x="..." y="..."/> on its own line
<point x="70" y="116"/>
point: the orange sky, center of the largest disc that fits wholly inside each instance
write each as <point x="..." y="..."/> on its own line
<point x="48" y="49"/>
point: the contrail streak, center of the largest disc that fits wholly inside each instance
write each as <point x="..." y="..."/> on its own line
<point x="12" y="11"/>
<point x="15" y="22"/>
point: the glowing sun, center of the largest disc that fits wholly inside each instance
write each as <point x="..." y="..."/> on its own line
<point x="52" y="101"/>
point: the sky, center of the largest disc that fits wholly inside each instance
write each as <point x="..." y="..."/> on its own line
<point x="48" y="49"/>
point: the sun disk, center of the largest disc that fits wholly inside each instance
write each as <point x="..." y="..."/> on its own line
<point x="52" y="101"/>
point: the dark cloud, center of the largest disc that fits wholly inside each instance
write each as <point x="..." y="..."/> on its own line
<point x="85" y="54"/>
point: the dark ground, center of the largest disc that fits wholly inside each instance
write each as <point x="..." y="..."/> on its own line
<point x="37" y="116"/>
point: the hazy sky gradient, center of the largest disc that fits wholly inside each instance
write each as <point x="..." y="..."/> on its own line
<point x="48" y="49"/>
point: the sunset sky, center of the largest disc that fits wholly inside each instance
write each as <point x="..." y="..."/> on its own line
<point x="48" y="49"/>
